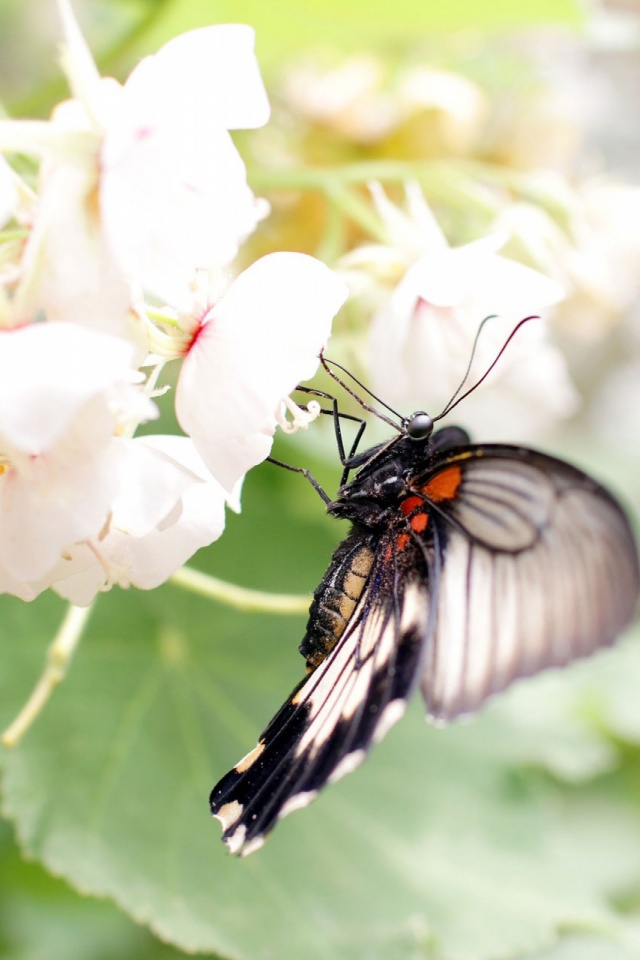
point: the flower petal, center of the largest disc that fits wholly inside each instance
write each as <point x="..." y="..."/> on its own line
<point x="77" y="60"/>
<point x="211" y="74"/>
<point x="187" y="514"/>
<point x="58" y="498"/>
<point x="48" y="372"/>
<point x="174" y="193"/>
<point x="256" y="345"/>
<point x="68" y="272"/>
<point x="174" y="200"/>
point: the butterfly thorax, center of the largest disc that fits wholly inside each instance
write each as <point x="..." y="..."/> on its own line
<point x="386" y="474"/>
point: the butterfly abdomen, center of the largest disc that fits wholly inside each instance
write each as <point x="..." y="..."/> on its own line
<point x="336" y="598"/>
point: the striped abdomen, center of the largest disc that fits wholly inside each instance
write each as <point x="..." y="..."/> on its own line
<point x="335" y="599"/>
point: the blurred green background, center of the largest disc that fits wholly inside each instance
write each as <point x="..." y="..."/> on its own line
<point x="516" y="834"/>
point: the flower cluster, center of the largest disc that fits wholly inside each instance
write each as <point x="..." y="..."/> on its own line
<point x="141" y="197"/>
<point x="427" y="307"/>
<point x="117" y="252"/>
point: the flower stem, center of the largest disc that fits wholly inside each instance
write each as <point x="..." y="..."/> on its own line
<point x="239" y="597"/>
<point x="59" y="657"/>
<point x="454" y="183"/>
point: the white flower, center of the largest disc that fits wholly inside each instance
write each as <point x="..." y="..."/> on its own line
<point x="166" y="507"/>
<point x="68" y="270"/>
<point x="249" y="352"/>
<point x="590" y="245"/>
<point x="423" y="331"/>
<point x="174" y="192"/>
<point x="64" y="392"/>
<point x="362" y="99"/>
<point x="141" y="182"/>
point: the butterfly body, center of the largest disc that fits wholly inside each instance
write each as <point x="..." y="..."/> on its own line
<point x="466" y="567"/>
<point x="371" y="502"/>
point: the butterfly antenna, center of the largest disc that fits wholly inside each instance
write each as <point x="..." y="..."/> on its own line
<point x="456" y="399"/>
<point x="452" y="399"/>
<point x="325" y="363"/>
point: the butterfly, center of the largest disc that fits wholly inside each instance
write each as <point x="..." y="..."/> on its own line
<point x="467" y="566"/>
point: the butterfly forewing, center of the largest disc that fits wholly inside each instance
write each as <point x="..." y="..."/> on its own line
<point x="350" y="700"/>
<point x="539" y="568"/>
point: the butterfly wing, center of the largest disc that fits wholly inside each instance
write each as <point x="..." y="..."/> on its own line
<point x="539" y="567"/>
<point x="348" y="702"/>
<point x="497" y="563"/>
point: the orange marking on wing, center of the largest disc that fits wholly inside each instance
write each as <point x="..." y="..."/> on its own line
<point x="402" y="541"/>
<point x="444" y="485"/>
<point x="419" y="522"/>
<point x="410" y="504"/>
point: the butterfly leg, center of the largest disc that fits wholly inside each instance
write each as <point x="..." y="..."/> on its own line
<point x="305" y="473"/>
<point x="336" y="413"/>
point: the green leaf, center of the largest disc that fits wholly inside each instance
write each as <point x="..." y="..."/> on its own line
<point x="442" y="842"/>
<point x="592" y="948"/>
<point x="42" y="919"/>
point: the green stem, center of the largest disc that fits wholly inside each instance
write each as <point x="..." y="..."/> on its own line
<point x="239" y="597"/>
<point x="352" y="205"/>
<point x="453" y="182"/>
<point x="323" y="178"/>
<point x="57" y="663"/>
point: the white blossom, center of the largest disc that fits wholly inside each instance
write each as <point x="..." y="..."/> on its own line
<point x="248" y="353"/>
<point x="424" y="327"/>
<point x="64" y="392"/>
<point x="166" y="506"/>
<point x="141" y="184"/>
<point x="174" y="192"/>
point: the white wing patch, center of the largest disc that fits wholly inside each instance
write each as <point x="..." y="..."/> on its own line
<point x="510" y="603"/>
<point x="339" y="687"/>
<point x="505" y="503"/>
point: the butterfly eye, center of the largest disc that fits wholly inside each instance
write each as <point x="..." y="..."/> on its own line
<point x="419" y="425"/>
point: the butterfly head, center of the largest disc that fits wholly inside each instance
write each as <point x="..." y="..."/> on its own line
<point x="419" y="426"/>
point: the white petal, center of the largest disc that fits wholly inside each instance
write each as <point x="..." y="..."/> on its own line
<point x="48" y="372"/>
<point x="258" y="343"/>
<point x="77" y="61"/>
<point x="175" y="201"/>
<point x="69" y="273"/>
<point x="447" y="278"/>
<point x="63" y="497"/>
<point x="507" y="287"/>
<point x="44" y="139"/>
<point x="187" y="516"/>
<point x="415" y="232"/>
<point x="209" y="75"/>
<point x="23" y="589"/>
<point x="174" y="191"/>
<point x="150" y="483"/>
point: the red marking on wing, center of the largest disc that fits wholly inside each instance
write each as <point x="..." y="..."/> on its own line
<point x="419" y="522"/>
<point x="410" y="504"/>
<point x="402" y="541"/>
<point x="444" y="485"/>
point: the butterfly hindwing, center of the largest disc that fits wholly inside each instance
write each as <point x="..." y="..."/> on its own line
<point x="347" y="702"/>
<point x="539" y="568"/>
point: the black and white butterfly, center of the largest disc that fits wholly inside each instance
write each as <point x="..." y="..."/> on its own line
<point x="467" y="566"/>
